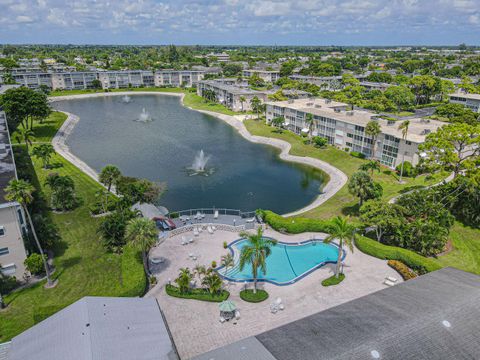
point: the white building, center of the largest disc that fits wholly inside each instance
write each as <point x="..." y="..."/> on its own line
<point x="12" y="220"/>
<point x="126" y="78"/>
<point x="346" y="129"/>
<point x="266" y="75"/>
<point x="187" y="78"/>
<point x="471" y="101"/>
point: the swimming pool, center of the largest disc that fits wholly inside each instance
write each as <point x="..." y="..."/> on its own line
<point x="287" y="262"/>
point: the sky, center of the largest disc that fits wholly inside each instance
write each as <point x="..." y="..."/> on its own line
<point x="241" y="22"/>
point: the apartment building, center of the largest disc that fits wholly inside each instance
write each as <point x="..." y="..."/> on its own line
<point x="346" y="129"/>
<point x="32" y="80"/>
<point x="471" y="101"/>
<point x="12" y="219"/>
<point x="370" y="85"/>
<point x="230" y="95"/>
<point x="74" y="80"/>
<point x="266" y="75"/>
<point x="125" y="79"/>
<point x="325" y="82"/>
<point x="178" y="78"/>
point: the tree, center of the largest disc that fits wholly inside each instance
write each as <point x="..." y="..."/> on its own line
<point x="113" y="227"/>
<point x="243" y="99"/>
<point x="34" y="263"/>
<point x="44" y="152"/>
<point x="373" y="129"/>
<point x="183" y="280"/>
<point x="256" y="103"/>
<point x="63" y="191"/>
<point x="453" y="147"/>
<point x="256" y="81"/>
<point x="25" y="135"/>
<point x="310" y="122"/>
<point x="387" y="219"/>
<point x="423" y="87"/>
<point x="142" y="233"/>
<point x="320" y="142"/>
<point x="278" y="121"/>
<point x="255" y="253"/>
<point x="362" y="186"/>
<point x="401" y="96"/>
<point x="96" y="84"/>
<point x="227" y="261"/>
<point x="371" y="165"/>
<point x="21" y="192"/>
<point x="345" y="233"/>
<point x="213" y="282"/>
<point x="404" y="128"/>
<point x="109" y="176"/>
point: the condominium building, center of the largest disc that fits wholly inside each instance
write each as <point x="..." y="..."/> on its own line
<point x="74" y="80"/>
<point x="12" y="220"/>
<point x="127" y="78"/>
<point x="346" y="129"/>
<point x="265" y="75"/>
<point x="325" y="82"/>
<point x="231" y="95"/>
<point x="370" y="85"/>
<point x="471" y="101"/>
<point x="177" y="78"/>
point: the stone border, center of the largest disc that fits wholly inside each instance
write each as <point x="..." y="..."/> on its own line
<point x="337" y="178"/>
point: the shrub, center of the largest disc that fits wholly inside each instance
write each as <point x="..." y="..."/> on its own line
<point x="225" y="245"/>
<point x="413" y="260"/>
<point x="295" y="225"/>
<point x="7" y="283"/>
<point x="101" y="204"/>
<point x="320" y="141"/>
<point x="197" y="294"/>
<point x="402" y="269"/>
<point x="249" y="296"/>
<point x="34" y="264"/>
<point x="333" y="280"/>
<point x="358" y="154"/>
<point x="408" y="169"/>
<point x="214" y="264"/>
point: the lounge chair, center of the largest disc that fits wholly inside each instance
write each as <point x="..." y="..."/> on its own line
<point x="190" y="255"/>
<point x="391" y="278"/>
<point x="215" y="214"/>
<point x="281" y="307"/>
<point x="195" y="232"/>
<point x="214" y="228"/>
<point x="237" y="315"/>
<point x="250" y="220"/>
<point x="190" y="240"/>
<point x="388" y="283"/>
<point x="209" y="229"/>
<point x="157" y="260"/>
<point x="222" y="319"/>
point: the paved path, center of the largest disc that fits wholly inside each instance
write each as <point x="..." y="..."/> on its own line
<point x="337" y="178"/>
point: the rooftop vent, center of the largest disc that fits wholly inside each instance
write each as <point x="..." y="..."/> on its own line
<point x="318" y="106"/>
<point x="309" y="104"/>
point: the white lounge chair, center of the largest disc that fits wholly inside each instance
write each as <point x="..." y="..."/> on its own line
<point x="278" y="301"/>
<point x="215" y="214"/>
<point x="237" y="315"/>
<point x="209" y="229"/>
<point x="391" y="278"/>
<point x="388" y="283"/>
<point x="190" y="240"/>
<point x="194" y="258"/>
<point x="190" y="255"/>
<point x="222" y="319"/>
<point x="214" y="228"/>
<point x="195" y="232"/>
<point x="250" y="220"/>
<point x="157" y="260"/>
<point x="281" y="307"/>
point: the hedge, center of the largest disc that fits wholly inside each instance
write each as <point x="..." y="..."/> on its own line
<point x="197" y="294"/>
<point x="413" y="260"/>
<point x="402" y="269"/>
<point x="295" y="225"/>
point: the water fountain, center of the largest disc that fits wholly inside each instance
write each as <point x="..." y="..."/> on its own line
<point x="126" y="99"/>
<point x="199" y="165"/>
<point x="144" y="116"/>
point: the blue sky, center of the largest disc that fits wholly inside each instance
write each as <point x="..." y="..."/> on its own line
<point x="242" y="22"/>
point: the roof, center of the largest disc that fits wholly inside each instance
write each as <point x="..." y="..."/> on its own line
<point x="150" y="211"/>
<point x="435" y="316"/>
<point x="218" y="84"/>
<point x="95" y="328"/>
<point x="4" y="88"/>
<point x="7" y="165"/>
<point x="417" y="131"/>
<point x="4" y="349"/>
<point x="466" y="96"/>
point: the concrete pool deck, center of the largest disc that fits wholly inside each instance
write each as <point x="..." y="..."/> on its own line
<point x="337" y="178"/>
<point x="195" y="325"/>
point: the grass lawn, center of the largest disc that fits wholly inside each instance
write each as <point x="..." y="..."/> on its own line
<point x="83" y="266"/>
<point x="466" y="249"/>
<point x="342" y="203"/>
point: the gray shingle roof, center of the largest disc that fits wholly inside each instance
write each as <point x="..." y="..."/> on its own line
<point x="435" y="316"/>
<point x="96" y="328"/>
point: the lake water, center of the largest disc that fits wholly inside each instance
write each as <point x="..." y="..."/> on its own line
<point x="244" y="176"/>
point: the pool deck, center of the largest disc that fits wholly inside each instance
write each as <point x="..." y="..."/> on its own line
<point x="194" y="324"/>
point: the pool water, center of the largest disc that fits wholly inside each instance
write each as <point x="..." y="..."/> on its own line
<point x="287" y="263"/>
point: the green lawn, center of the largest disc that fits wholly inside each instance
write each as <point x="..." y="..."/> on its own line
<point x="83" y="266"/>
<point x="341" y="203"/>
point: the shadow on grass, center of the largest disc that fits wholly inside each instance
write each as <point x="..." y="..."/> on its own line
<point x="351" y="210"/>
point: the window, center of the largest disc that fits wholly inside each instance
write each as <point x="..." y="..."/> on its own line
<point x="2" y="230"/>
<point x="8" y="269"/>
<point x="4" y="251"/>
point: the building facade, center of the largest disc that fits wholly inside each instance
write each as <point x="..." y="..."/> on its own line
<point x="471" y="101"/>
<point x="346" y="129"/>
<point x="265" y="75"/>
<point x="12" y="219"/>
<point x="177" y="78"/>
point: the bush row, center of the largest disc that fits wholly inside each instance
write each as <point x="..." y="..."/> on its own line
<point x="413" y="260"/>
<point x="295" y="225"/>
<point x="402" y="269"/>
<point x="197" y="294"/>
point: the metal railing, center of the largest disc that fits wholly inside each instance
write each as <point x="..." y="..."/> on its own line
<point x="211" y="211"/>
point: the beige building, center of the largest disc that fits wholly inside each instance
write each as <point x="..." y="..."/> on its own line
<point x="266" y="75"/>
<point x="471" y="101"/>
<point x="346" y="129"/>
<point x="12" y="219"/>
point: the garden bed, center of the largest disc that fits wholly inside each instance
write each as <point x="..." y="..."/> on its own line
<point x="333" y="280"/>
<point x="197" y="294"/>
<point x="249" y="296"/>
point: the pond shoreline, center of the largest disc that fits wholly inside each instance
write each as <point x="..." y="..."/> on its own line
<point x="337" y="179"/>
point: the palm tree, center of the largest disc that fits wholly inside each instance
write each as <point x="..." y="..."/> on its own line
<point x="143" y="235"/>
<point x="183" y="280"/>
<point x="242" y="100"/>
<point x="25" y="135"/>
<point x="309" y="122"/>
<point x="44" y="152"/>
<point x="200" y="270"/>
<point x="373" y="129"/>
<point x="213" y="282"/>
<point x="256" y="105"/>
<point x="227" y="261"/>
<point x="109" y="176"/>
<point x="345" y="233"/>
<point x="255" y="253"/>
<point x="404" y="127"/>
<point x="21" y="192"/>
<point x="371" y="165"/>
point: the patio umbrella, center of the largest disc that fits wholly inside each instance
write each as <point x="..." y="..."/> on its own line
<point x="227" y="309"/>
